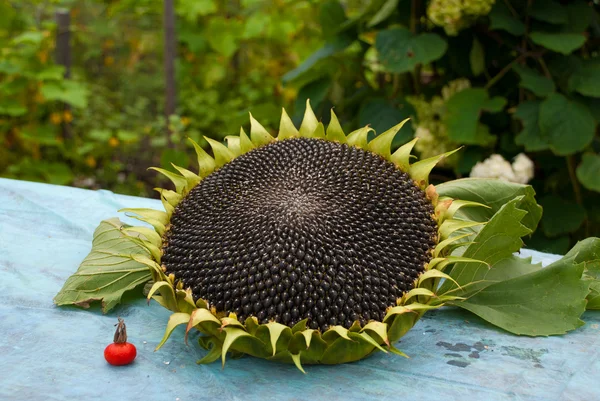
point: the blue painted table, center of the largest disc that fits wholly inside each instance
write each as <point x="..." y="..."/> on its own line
<point x="56" y="353"/>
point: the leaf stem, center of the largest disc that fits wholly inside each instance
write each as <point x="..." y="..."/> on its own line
<point x="415" y="9"/>
<point x="395" y="85"/>
<point x="511" y="8"/>
<point x="503" y="72"/>
<point x="544" y="67"/>
<point x="413" y="15"/>
<point x="574" y="182"/>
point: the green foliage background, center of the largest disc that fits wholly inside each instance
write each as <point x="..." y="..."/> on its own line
<point x="504" y="76"/>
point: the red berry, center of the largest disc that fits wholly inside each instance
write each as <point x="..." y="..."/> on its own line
<point x="120" y="352"/>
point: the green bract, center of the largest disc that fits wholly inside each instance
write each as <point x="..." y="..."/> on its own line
<point x="479" y="225"/>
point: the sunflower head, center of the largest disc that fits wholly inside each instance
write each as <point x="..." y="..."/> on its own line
<point x="311" y="247"/>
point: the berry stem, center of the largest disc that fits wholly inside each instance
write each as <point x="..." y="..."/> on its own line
<point x="121" y="332"/>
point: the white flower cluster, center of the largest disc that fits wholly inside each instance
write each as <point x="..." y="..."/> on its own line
<point x="454" y="15"/>
<point x="521" y="171"/>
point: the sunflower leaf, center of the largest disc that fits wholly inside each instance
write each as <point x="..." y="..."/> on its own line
<point x="494" y="193"/>
<point x="545" y="302"/>
<point x="108" y="271"/>
<point x="497" y="240"/>
<point x="588" y="253"/>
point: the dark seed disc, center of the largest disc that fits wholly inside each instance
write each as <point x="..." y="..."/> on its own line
<point x="302" y="228"/>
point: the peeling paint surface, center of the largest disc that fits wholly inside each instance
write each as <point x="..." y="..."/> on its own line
<point x="51" y="353"/>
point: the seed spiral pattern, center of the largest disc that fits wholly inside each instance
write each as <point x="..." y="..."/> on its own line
<point x="302" y="228"/>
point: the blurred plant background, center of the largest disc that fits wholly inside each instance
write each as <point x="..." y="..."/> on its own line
<point x="516" y="82"/>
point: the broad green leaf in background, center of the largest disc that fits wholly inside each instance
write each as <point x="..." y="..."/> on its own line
<point x="28" y="37"/>
<point x="548" y="301"/>
<point x="534" y="81"/>
<point x="568" y="125"/>
<point x="107" y="272"/>
<point x="562" y="67"/>
<point x="177" y="157"/>
<point x="382" y="115"/>
<point x="193" y="37"/>
<point x="494" y="193"/>
<point x="43" y="134"/>
<point x="502" y="19"/>
<point x="580" y="14"/>
<point x="100" y="134"/>
<point x="588" y="172"/>
<point x="384" y="12"/>
<point x="549" y="11"/>
<point x="128" y="136"/>
<point x="586" y="78"/>
<point x="316" y="91"/>
<point x="52" y="72"/>
<point x="12" y="110"/>
<point x="224" y="35"/>
<point x="401" y="51"/>
<point x="560" y="216"/>
<point x="256" y="24"/>
<point x="530" y="136"/>
<point x="477" y="58"/>
<point x="7" y="67"/>
<point x="332" y="47"/>
<point x="593" y="104"/>
<point x="555" y="246"/>
<point x="192" y="9"/>
<point x="331" y="17"/>
<point x="564" y="43"/>
<point x="58" y="173"/>
<point x="462" y="115"/>
<point x="71" y="92"/>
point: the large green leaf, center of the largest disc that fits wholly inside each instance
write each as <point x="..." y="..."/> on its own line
<point x="502" y="19"/>
<point x="560" y="216"/>
<point x="381" y="115"/>
<point x="568" y="125"/>
<point x="530" y="136"/>
<point x="224" y="35"/>
<point x="477" y="58"/>
<point x="545" y="302"/>
<point x="107" y="272"/>
<point x="331" y="17"/>
<point x="384" y="12"/>
<point x="541" y="243"/>
<point x="12" y="110"/>
<point x="534" y="81"/>
<point x="495" y="194"/>
<point x="588" y="172"/>
<point x="332" y="47"/>
<point x="71" y="92"/>
<point x="192" y="9"/>
<point x="586" y="78"/>
<point x="588" y="252"/>
<point x="462" y="115"/>
<point x="401" y="51"/>
<point x="580" y="14"/>
<point x="584" y="251"/>
<point x="549" y="11"/>
<point x="564" y="43"/>
<point x="497" y="240"/>
<point x="593" y="297"/>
